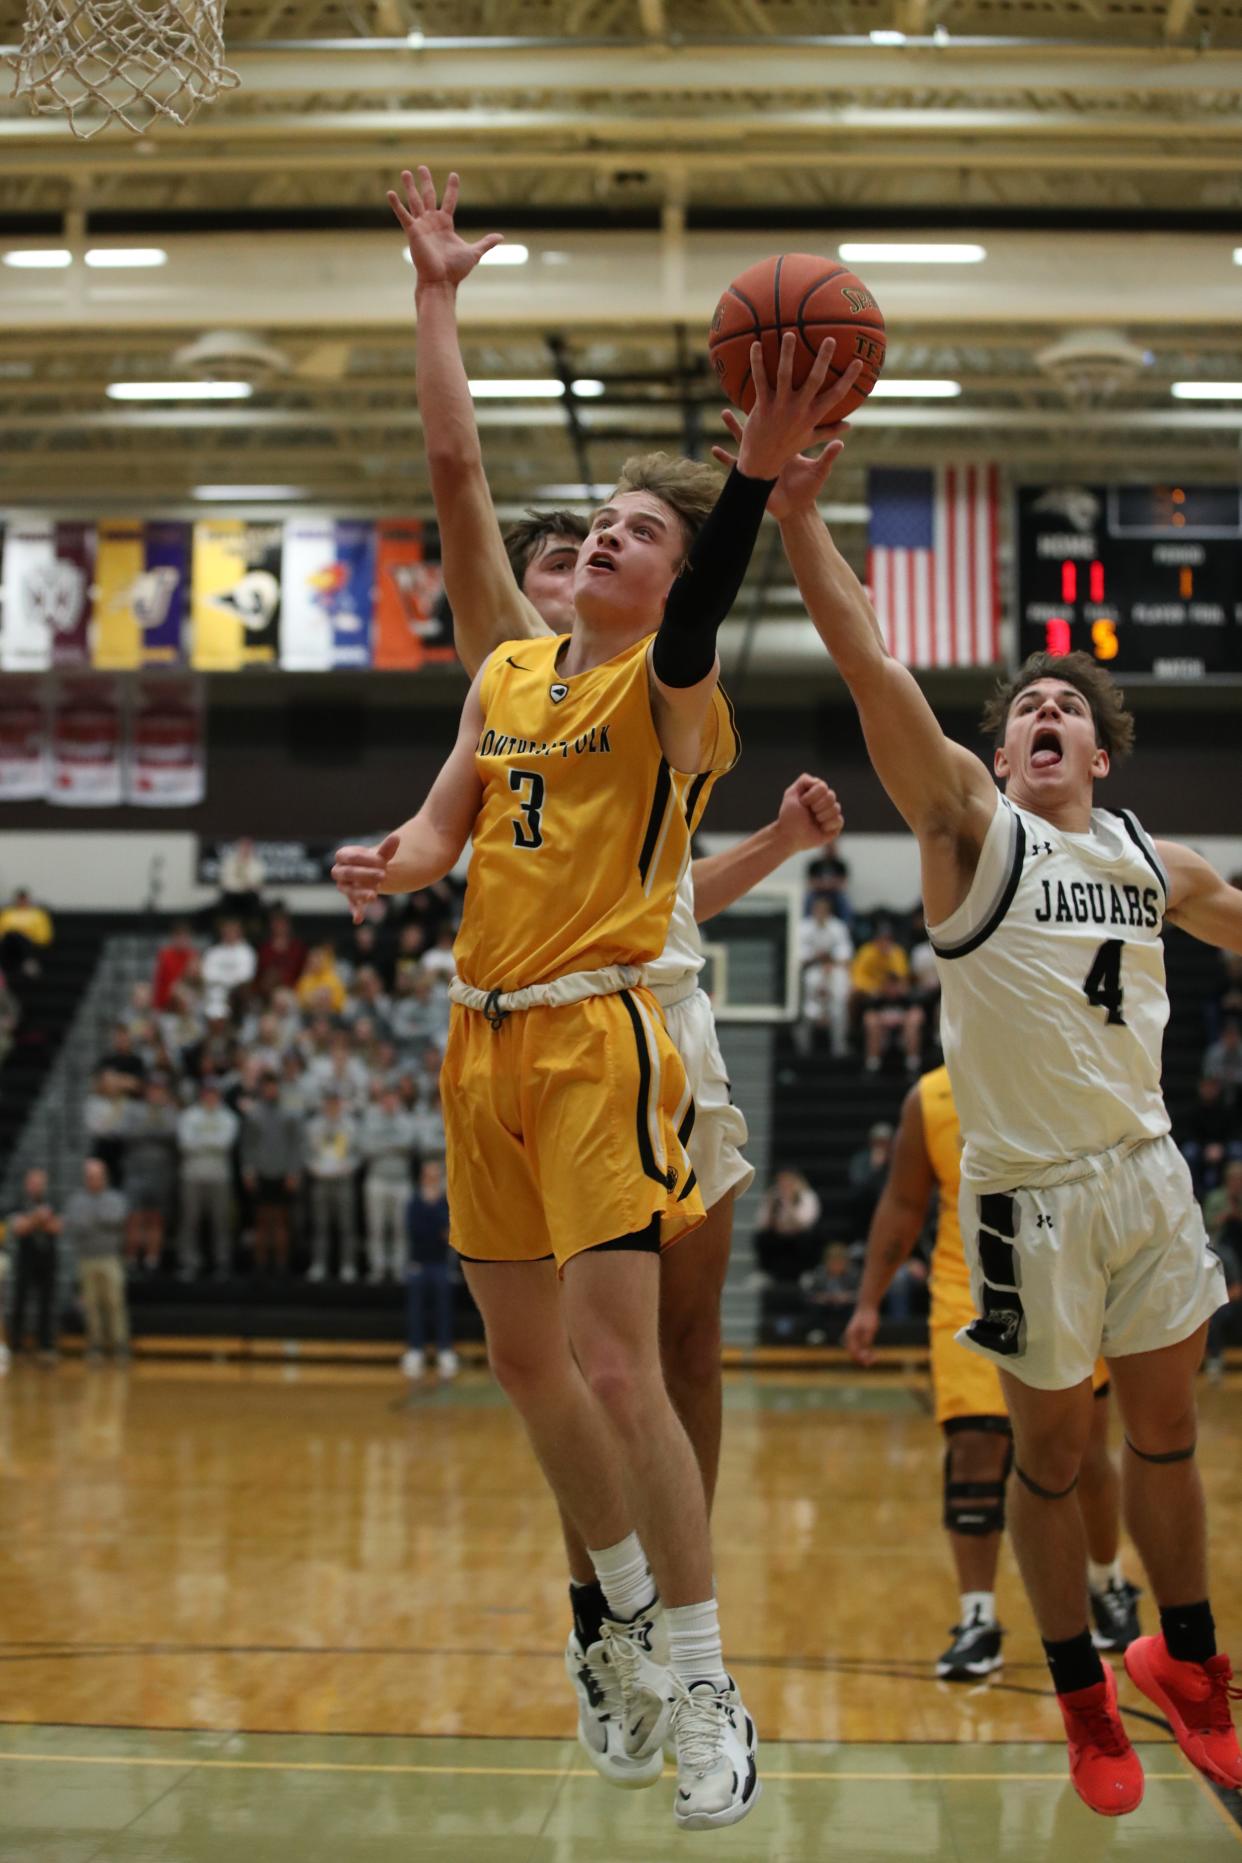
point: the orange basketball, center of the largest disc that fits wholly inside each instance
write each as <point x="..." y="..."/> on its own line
<point x="815" y="298"/>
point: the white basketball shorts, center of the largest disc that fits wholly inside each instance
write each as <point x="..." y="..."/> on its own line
<point x="719" y="1131"/>
<point x="1114" y="1261"/>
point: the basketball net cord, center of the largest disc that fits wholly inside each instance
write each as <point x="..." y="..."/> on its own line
<point x="125" y="61"/>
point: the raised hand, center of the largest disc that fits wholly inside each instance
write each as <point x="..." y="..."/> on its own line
<point x="359" y="873"/>
<point x="441" y="256"/>
<point x="786" y="419"/>
<point x="802" y="478"/>
<point x="810" y="815"/>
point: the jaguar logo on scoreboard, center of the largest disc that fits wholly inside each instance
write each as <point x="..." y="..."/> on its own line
<point x="1146" y="578"/>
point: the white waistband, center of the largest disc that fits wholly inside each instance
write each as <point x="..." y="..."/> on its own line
<point x="576" y="988"/>
<point x="669" y="995"/>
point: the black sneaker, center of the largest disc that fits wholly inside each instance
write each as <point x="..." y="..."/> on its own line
<point x="974" y="1652"/>
<point x="1116" y="1617"/>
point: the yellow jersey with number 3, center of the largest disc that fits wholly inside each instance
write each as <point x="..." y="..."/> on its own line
<point x="584" y="830"/>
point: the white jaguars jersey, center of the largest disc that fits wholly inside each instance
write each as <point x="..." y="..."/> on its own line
<point x="1054" y="1002"/>
<point x="681" y="960"/>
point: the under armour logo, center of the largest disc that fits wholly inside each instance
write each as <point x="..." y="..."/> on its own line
<point x="1040" y="847"/>
<point x="1043" y="1222"/>
<point x="557" y="693"/>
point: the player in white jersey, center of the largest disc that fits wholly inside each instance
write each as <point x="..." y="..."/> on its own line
<point x="521" y="586"/>
<point x="1078" y="1216"/>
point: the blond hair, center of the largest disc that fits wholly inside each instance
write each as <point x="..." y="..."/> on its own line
<point x="690" y="487"/>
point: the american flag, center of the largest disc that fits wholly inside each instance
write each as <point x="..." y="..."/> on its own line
<point x="931" y="564"/>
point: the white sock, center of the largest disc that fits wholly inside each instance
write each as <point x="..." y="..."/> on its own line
<point x="625" y="1576"/>
<point x="1101" y="1577"/>
<point x="694" y="1653"/>
<point x="978" y="1607"/>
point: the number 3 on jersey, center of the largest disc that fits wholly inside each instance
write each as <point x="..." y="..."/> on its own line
<point x="528" y="833"/>
<point x="1102" y="984"/>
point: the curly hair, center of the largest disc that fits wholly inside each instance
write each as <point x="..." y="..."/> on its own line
<point x="690" y="487"/>
<point x="522" y="540"/>
<point x="1114" y="725"/>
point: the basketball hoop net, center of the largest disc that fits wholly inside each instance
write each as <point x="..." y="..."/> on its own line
<point x="124" y="61"/>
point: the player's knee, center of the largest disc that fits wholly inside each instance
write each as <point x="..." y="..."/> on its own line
<point x="976" y="1469"/>
<point x="612" y="1379"/>
<point x="522" y="1371"/>
<point x="1049" y="1469"/>
<point x="690" y="1346"/>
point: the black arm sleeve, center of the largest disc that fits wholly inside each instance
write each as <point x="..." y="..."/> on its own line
<point x="706" y="589"/>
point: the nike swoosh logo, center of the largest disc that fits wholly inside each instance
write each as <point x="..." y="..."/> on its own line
<point x="513" y="663"/>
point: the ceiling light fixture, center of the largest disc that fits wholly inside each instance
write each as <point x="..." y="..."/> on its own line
<point x="1207" y="391"/>
<point x="126" y="258"/>
<point x="523" y="388"/>
<point x="927" y="252"/>
<point x="39" y="259"/>
<point x="179" y="391"/>
<point x="929" y="390"/>
<point x="246" y="494"/>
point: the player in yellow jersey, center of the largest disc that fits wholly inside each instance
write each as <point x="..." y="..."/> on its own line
<point x="969" y="1402"/>
<point x="519" y="584"/>
<point x="579" y="765"/>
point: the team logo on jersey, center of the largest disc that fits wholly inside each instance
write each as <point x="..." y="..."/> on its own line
<point x="558" y="692"/>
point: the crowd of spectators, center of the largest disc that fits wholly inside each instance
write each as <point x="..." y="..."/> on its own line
<point x="264" y="1104"/>
<point x="1211" y="1136"/>
<point x="868" y="988"/>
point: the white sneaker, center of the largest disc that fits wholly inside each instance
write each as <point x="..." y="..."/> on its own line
<point x="4" y="1359"/>
<point x="314" y="1273"/>
<point x="413" y="1364"/>
<point x="447" y="1364"/>
<point x="645" y="1683"/>
<point x="349" y="1273"/>
<point x="601" y="1717"/>
<point x="717" y="1782"/>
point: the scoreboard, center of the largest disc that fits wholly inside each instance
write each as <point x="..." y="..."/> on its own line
<point x="1147" y="578"/>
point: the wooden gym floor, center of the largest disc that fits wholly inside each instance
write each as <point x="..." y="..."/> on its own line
<point x="263" y="1612"/>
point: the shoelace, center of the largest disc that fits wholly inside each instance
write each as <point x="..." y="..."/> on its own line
<point x="624" y="1656"/>
<point x="1218" y="1716"/>
<point x="1102" y="1729"/>
<point x="698" y="1727"/>
<point x="603" y="1681"/>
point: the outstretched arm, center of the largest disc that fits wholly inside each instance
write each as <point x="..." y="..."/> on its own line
<point x="683" y="664"/>
<point x="895" y="1227"/>
<point x="809" y="817"/>
<point x="428" y="846"/>
<point x="487" y="604"/>
<point x="1200" y="901"/>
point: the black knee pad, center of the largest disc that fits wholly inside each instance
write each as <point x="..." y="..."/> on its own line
<point x="976" y="1508"/>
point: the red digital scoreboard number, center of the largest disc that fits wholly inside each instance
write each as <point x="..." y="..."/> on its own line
<point x="1057" y="635"/>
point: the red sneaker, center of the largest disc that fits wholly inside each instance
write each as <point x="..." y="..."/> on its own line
<point x="1103" y="1765"/>
<point x="1194" y="1698"/>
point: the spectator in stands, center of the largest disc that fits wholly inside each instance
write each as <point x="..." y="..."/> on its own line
<point x="339" y="1073"/>
<point x="1228" y="1000"/>
<point x="1223" y="1060"/>
<point x="387" y="1139"/>
<point x="295" y="1096"/>
<point x="428" y="1122"/>
<point x="242" y="875"/>
<point x="1212" y="1134"/>
<point x="229" y="966"/>
<point x="149" y="1171"/>
<point x="924" y="977"/>
<point x="368" y="1002"/>
<point x="103" y="1118"/>
<point x="358" y="950"/>
<point x="271" y="1160"/>
<point x="439" y="961"/>
<point x="33" y="1230"/>
<point x="320" y="988"/>
<point x="882" y="1001"/>
<point x="828" y="877"/>
<point x="126" y="1067"/>
<point x="10" y="1016"/>
<point x="825" y="951"/>
<point x="430" y="1274"/>
<point x="331" y="1152"/>
<point x="1223" y="1215"/>
<point x="207" y="1132"/>
<point x="25" y="931"/>
<point x="408" y="960"/>
<point x="95" y="1230"/>
<point x="868" y="1170"/>
<point x="282" y="955"/>
<point x="787" y="1239"/>
<point x="420" y="1011"/>
<point x="834" y="1283"/>
<point x="171" y="962"/>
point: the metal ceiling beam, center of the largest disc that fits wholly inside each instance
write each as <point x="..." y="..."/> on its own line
<point x="393" y="68"/>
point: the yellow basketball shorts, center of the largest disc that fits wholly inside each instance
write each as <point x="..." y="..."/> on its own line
<point x="566" y="1127"/>
<point x="963" y="1383"/>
